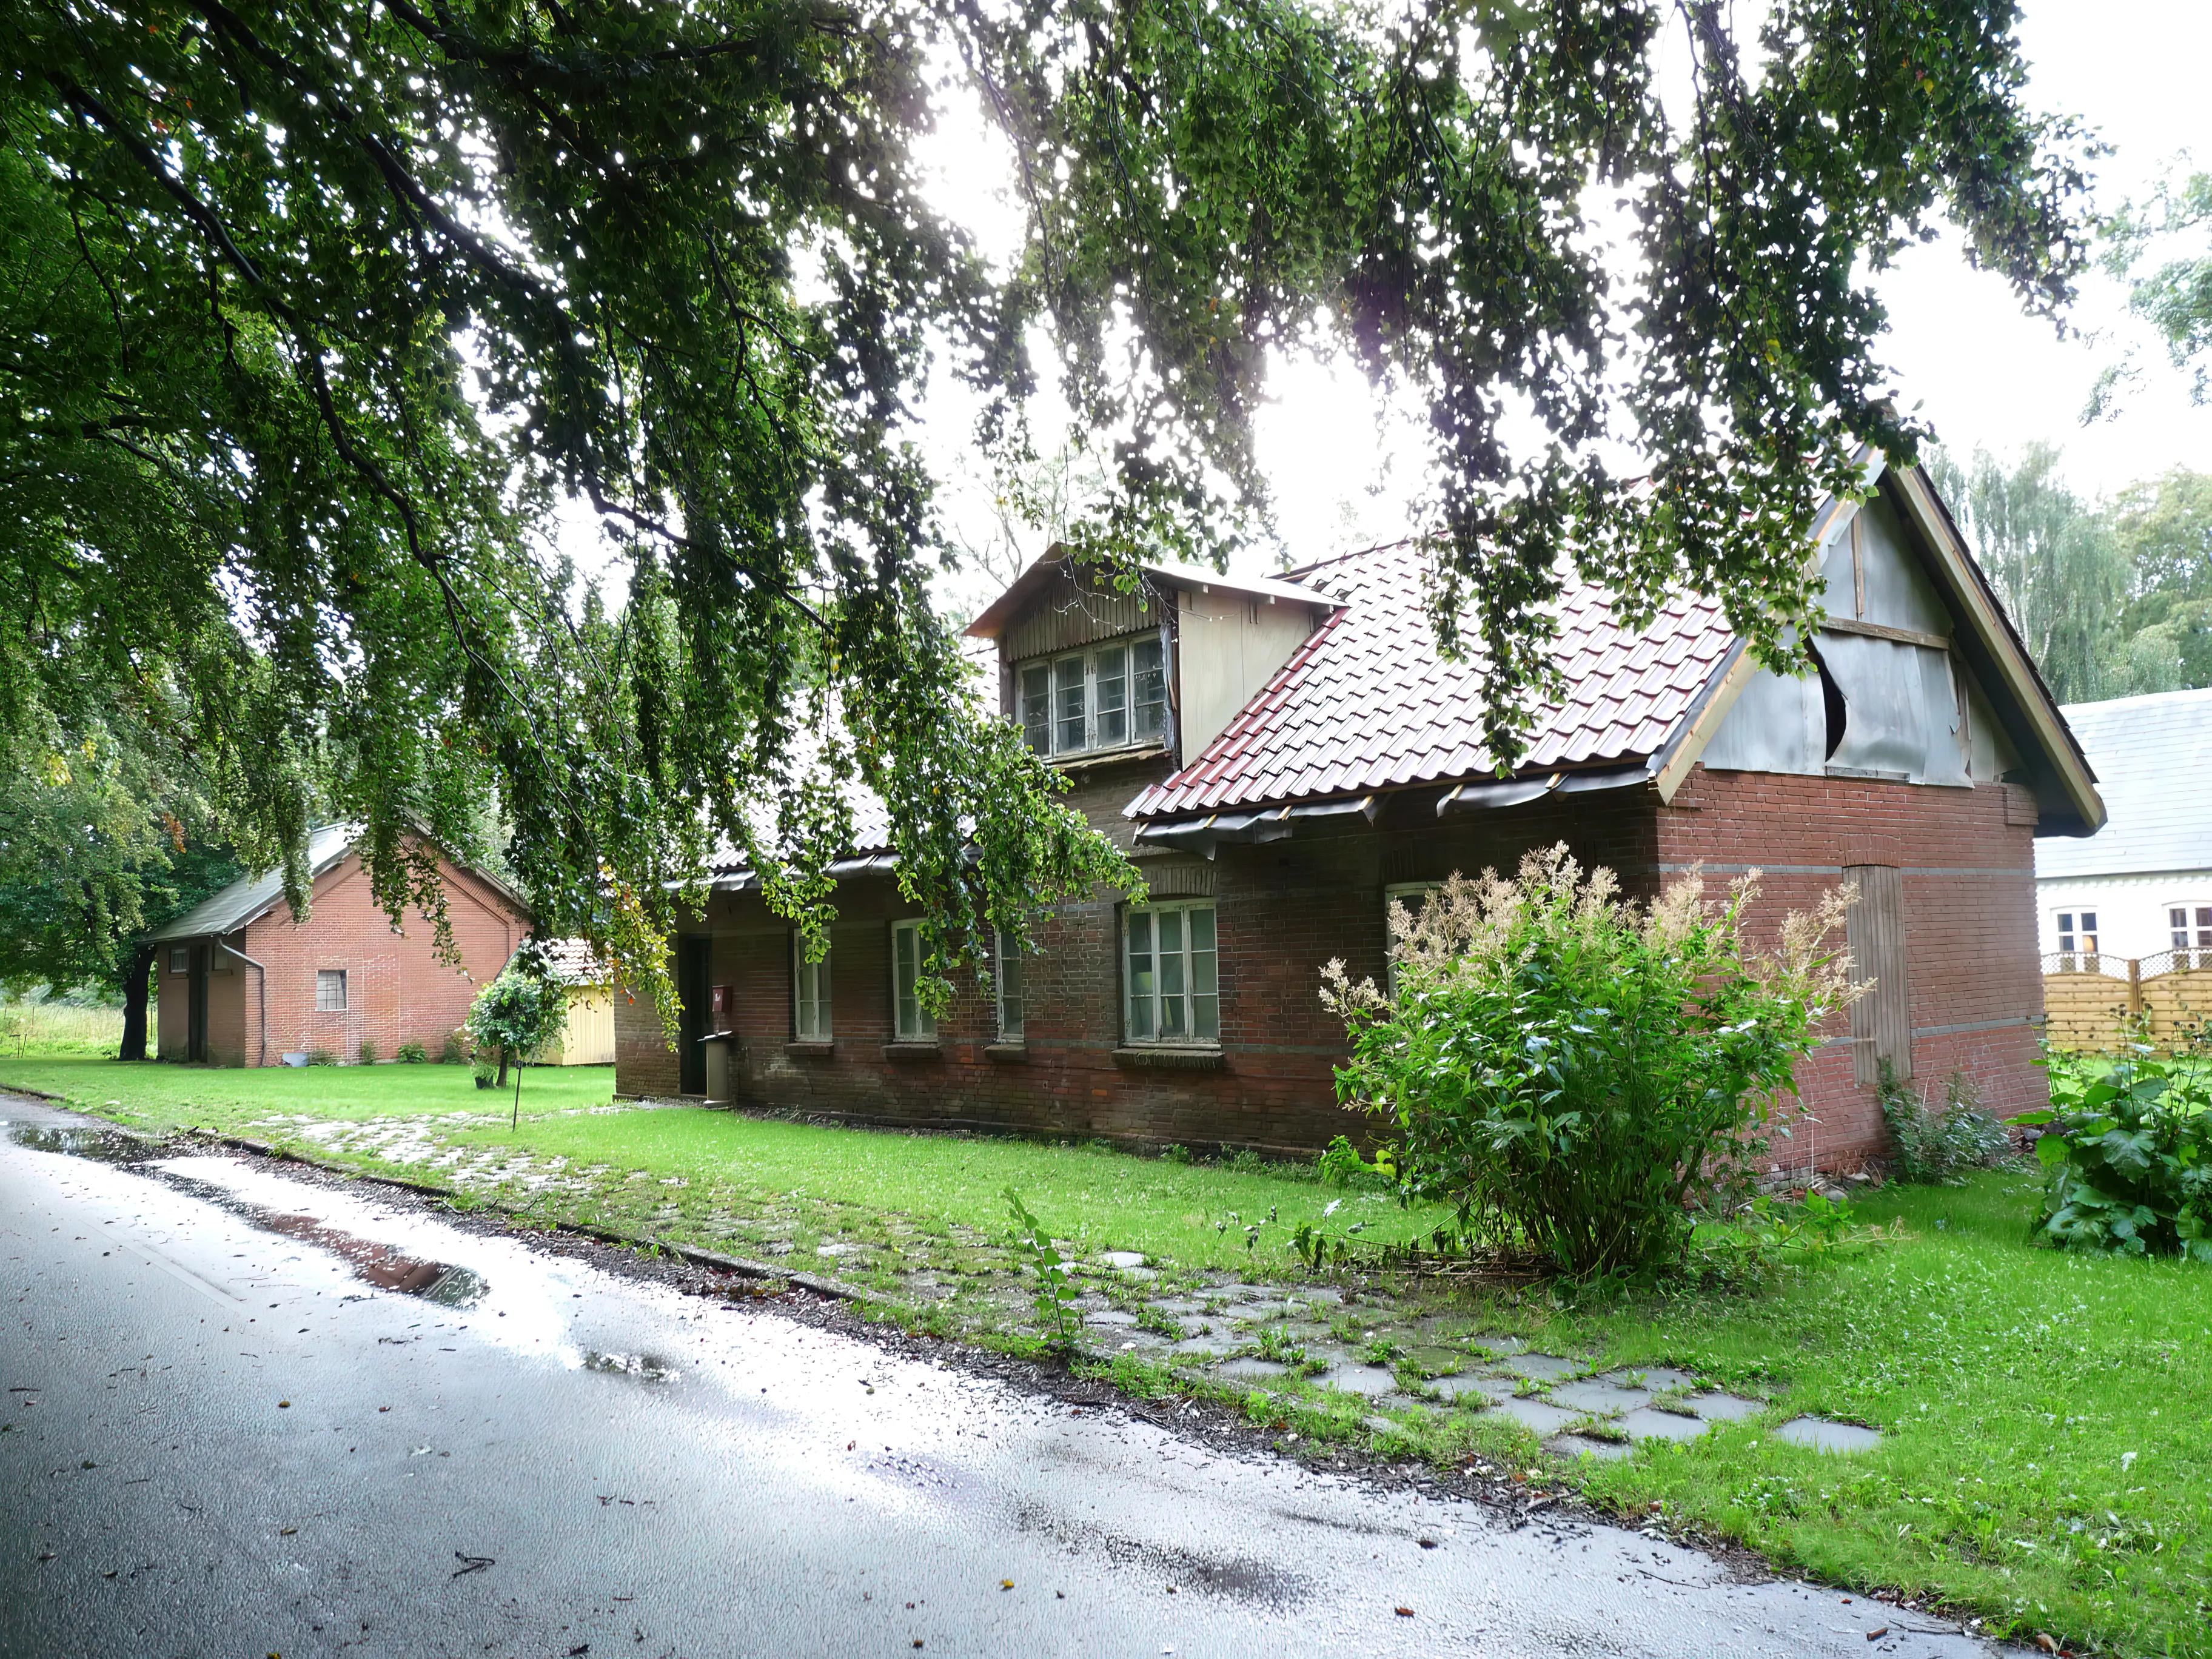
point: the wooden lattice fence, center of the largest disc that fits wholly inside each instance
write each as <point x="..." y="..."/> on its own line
<point x="2092" y="1003"/>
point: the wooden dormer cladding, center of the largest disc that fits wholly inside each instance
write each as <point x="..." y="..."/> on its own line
<point x="1069" y="611"/>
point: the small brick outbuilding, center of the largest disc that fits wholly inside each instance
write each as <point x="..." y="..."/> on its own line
<point x="240" y="984"/>
<point x="1282" y="757"/>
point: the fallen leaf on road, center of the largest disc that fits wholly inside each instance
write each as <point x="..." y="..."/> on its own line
<point x="2042" y="1640"/>
<point x="282" y="1404"/>
<point x="1405" y="1613"/>
<point x="1876" y="1635"/>
<point x="1006" y="1584"/>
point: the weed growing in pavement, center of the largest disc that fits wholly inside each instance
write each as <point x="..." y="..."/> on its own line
<point x="1056" y="1292"/>
<point x="1276" y="1344"/>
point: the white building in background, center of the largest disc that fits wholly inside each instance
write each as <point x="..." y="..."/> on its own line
<point x="2141" y="885"/>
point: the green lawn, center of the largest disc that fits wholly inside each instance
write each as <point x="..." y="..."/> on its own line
<point x="2047" y="1462"/>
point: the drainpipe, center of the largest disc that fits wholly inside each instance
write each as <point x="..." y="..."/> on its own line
<point x="263" y="981"/>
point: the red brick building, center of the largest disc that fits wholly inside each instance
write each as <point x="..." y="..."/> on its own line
<point x="240" y="984"/>
<point x="1283" y="757"/>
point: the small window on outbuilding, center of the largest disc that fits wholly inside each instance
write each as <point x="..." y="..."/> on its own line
<point x="330" y="990"/>
<point x="181" y="958"/>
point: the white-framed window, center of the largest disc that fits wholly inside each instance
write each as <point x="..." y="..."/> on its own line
<point x="910" y="1021"/>
<point x="2189" y="928"/>
<point x="330" y="990"/>
<point x="1170" y="969"/>
<point x="181" y="958"/>
<point x="809" y="994"/>
<point x="2077" y="932"/>
<point x="1412" y="895"/>
<point x="1113" y="696"/>
<point x="1007" y="972"/>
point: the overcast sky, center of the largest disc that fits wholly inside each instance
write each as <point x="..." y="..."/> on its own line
<point x="1981" y="373"/>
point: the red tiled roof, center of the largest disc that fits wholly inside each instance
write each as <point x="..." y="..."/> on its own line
<point x="1369" y="702"/>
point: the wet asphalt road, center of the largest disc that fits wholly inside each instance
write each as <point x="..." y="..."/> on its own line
<point x="226" y="1437"/>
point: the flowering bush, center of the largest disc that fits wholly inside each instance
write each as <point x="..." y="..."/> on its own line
<point x="1575" y="1073"/>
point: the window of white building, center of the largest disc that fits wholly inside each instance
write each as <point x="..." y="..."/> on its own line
<point x="2077" y="933"/>
<point x="2188" y="927"/>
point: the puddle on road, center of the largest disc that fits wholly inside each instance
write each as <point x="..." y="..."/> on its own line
<point x="646" y="1367"/>
<point x="102" y="1145"/>
<point x="447" y="1284"/>
<point x="389" y="1268"/>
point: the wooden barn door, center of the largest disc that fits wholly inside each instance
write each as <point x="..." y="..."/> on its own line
<point x="1874" y="927"/>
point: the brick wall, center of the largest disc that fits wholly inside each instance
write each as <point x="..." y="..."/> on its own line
<point x="1968" y="877"/>
<point x="397" y="990"/>
<point x="1284" y="909"/>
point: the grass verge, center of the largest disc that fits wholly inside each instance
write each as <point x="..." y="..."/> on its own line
<point x="2047" y="1455"/>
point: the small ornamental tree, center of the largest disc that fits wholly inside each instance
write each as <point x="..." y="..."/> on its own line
<point x="518" y="1012"/>
<point x="1576" y="1073"/>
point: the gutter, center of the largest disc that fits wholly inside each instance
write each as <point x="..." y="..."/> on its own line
<point x="262" y="970"/>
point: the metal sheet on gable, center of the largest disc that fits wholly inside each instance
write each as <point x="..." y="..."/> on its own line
<point x="1778" y="724"/>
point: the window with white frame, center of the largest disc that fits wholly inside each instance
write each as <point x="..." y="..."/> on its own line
<point x="181" y="958"/>
<point x="1170" y="974"/>
<point x="330" y="990"/>
<point x="1113" y="696"/>
<point x="2189" y="927"/>
<point x="2077" y="933"/>
<point x="809" y="994"/>
<point x="1007" y="970"/>
<point x="910" y="1021"/>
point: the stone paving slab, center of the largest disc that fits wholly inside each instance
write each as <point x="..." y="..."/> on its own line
<point x="1489" y="1388"/>
<point x="1109" y="1317"/>
<point x="1545" y="1367"/>
<point x="1823" y="1435"/>
<point x="1536" y="1415"/>
<point x="1360" y="1379"/>
<point x="1588" y="1445"/>
<point x="1252" y="1369"/>
<point x="1724" y="1407"/>
<point x="1600" y="1397"/>
<point x="1648" y="1423"/>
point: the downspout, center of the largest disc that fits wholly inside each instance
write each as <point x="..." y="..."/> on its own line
<point x="262" y="982"/>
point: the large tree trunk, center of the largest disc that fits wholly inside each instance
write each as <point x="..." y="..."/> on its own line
<point x="134" y="1004"/>
<point x="501" y="1084"/>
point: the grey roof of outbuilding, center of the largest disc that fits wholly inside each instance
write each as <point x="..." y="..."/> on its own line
<point x="227" y="911"/>
<point x="2153" y="757"/>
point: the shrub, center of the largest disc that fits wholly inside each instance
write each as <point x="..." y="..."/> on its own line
<point x="1938" y="1147"/>
<point x="1574" y="1072"/>
<point x="412" y="1053"/>
<point x="367" y="1052"/>
<point x="2128" y="1153"/>
<point x="514" y="1015"/>
<point x="1174" y="1154"/>
<point x="1342" y="1166"/>
<point x="456" y="1050"/>
<point x="321" y="1057"/>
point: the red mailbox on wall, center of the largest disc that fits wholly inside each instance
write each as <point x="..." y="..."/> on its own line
<point x="723" y="1005"/>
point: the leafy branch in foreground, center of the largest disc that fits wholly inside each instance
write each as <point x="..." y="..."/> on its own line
<point x="310" y="314"/>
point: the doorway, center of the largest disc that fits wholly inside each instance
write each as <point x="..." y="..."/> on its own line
<point x="694" y="954"/>
<point x="195" y="1007"/>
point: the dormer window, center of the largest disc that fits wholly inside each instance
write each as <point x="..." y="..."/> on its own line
<point x="1106" y="696"/>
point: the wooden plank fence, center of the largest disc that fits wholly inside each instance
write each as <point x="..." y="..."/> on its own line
<point x="2093" y="1003"/>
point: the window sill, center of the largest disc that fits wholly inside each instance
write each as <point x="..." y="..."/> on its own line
<point x="1012" y="1051"/>
<point x="809" y="1050"/>
<point x="1086" y="760"/>
<point x="1167" y="1058"/>
<point x="928" y="1050"/>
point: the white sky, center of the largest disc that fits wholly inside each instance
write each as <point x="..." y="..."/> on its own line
<point x="1980" y="372"/>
